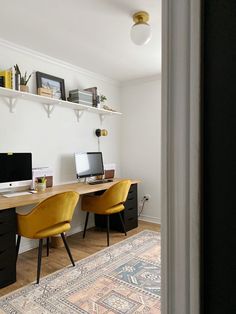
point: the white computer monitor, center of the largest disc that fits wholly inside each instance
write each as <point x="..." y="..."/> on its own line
<point x="89" y="164"/>
<point x="15" y="171"/>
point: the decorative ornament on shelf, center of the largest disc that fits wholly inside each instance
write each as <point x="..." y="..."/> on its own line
<point x="45" y="91"/>
<point x="108" y="108"/>
<point x="103" y="99"/>
<point x="23" y="79"/>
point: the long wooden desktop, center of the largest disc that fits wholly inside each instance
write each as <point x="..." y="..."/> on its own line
<point x="8" y="219"/>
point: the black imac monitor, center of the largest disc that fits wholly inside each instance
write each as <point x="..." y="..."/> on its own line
<point x="15" y="171"/>
<point x="89" y="164"/>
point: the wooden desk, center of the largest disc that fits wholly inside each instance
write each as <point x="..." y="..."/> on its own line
<point x="8" y="221"/>
<point x="30" y="199"/>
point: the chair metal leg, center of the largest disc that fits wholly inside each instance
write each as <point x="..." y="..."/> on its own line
<point x="108" y="229"/>
<point x="122" y="222"/>
<point x="17" y="246"/>
<point x="48" y="246"/>
<point x="85" y="225"/>
<point x="39" y="259"/>
<point x="67" y="249"/>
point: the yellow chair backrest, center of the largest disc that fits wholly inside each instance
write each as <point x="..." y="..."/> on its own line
<point x="117" y="193"/>
<point x="54" y="210"/>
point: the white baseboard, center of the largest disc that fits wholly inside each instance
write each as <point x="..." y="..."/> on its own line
<point x="80" y="228"/>
<point x="27" y="244"/>
<point x="152" y="219"/>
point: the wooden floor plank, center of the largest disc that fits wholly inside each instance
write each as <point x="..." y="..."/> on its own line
<point x="94" y="241"/>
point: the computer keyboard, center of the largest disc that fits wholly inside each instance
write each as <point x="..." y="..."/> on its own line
<point x="16" y="194"/>
<point x="100" y="181"/>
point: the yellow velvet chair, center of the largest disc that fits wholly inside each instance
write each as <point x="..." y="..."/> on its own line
<point x="49" y="218"/>
<point x="110" y="202"/>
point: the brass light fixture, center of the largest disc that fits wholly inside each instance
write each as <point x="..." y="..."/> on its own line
<point x="100" y="132"/>
<point x="141" y="32"/>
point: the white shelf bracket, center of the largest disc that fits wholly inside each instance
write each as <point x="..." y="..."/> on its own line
<point x="49" y="109"/>
<point x="11" y="103"/>
<point x="78" y="113"/>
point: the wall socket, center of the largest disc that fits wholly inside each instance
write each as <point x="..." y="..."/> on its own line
<point x="147" y="197"/>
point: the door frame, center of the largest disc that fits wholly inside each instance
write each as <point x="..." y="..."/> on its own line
<point x="180" y="220"/>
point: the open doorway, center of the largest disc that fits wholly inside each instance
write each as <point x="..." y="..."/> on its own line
<point x="83" y="44"/>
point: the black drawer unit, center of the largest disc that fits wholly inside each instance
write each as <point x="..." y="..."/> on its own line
<point x="7" y="247"/>
<point x="129" y="214"/>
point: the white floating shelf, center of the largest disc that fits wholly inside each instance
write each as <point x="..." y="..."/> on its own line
<point x="11" y="96"/>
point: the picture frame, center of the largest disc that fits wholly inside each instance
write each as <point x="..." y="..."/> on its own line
<point x="56" y="84"/>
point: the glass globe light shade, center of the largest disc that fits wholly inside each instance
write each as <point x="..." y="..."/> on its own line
<point x="141" y="33"/>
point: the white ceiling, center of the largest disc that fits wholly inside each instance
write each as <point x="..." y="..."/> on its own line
<point x="92" y="34"/>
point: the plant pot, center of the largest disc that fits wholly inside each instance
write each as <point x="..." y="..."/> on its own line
<point x="24" y="88"/>
<point x="40" y="187"/>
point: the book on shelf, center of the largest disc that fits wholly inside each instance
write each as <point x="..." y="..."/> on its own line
<point x="80" y="101"/>
<point x="93" y="90"/>
<point x="82" y="97"/>
<point x="7" y="78"/>
<point x="15" y="79"/>
<point x="2" y="81"/>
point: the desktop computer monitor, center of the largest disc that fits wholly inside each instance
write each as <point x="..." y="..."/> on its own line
<point x="15" y="171"/>
<point x="89" y="164"/>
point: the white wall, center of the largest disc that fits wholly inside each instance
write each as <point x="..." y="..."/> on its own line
<point x="141" y="140"/>
<point x="134" y="147"/>
<point x="54" y="140"/>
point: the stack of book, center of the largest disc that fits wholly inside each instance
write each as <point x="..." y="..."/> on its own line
<point x="9" y="79"/>
<point x="93" y="90"/>
<point x="81" y="97"/>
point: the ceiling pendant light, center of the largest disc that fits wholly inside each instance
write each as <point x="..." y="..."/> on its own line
<point x="141" y="31"/>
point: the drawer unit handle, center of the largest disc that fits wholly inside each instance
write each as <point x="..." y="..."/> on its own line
<point x="131" y="208"/>
<point x="131" y="218"/>
<point x="6" y="220"/>
<point x="130" y="198"/>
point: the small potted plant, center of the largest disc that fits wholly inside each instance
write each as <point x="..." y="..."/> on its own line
<point x="41" y="184"/>
<point x="24" y="79"/>
<point x="103" y="99"/>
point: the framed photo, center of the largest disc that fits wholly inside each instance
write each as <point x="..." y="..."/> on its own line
<point x="56" y="84"/>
